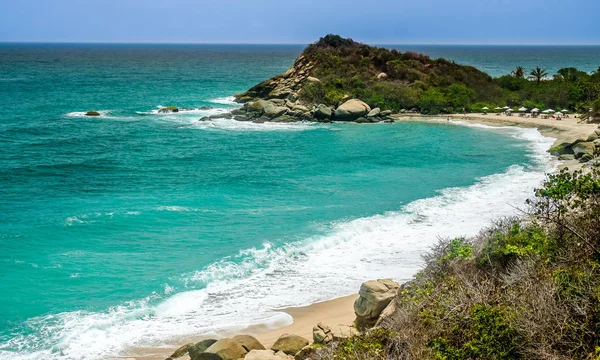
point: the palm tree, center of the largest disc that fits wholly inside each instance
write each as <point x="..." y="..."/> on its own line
<point x="519" y="72"/>
<point x="538" y="73"/>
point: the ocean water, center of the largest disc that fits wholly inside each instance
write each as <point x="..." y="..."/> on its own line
<point x="138" y="229"/>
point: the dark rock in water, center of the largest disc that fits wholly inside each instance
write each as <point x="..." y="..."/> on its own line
<point x="180" y="352"/>
<point x="284" y="118"/>
<point x="206" y="108"/>
<point x="362" y="120"/>
<point x="92" y="113"/>
<point x="169" y="109"/>
<point x="200" y="347"/>
<point x="260" y="120"/>
<point x="274" y="110"/>
<point x="240" y="118"/>
<point x="244" y="99"/>
<point x="385" y="113"/>
<point x="238" y="112"/>
<point x="323" y="112"/>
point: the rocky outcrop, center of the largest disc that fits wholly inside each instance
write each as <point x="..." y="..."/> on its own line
<point x="324" y="334"/>
<point x="289" y="344"/>
<point x="375" y="296"/>
<point x="285" y="86"/>
<point x="92" y="113"/>
<point x="224" y="349"/>
<point x="351" y="110"/>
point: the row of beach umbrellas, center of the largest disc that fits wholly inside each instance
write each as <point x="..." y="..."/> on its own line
<point x="524" y="109"/>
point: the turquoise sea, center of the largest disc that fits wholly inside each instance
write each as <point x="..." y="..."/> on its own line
<point x="138" y="229"/>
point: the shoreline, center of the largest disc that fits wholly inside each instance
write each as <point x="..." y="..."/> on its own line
<point x="340" y="311"/>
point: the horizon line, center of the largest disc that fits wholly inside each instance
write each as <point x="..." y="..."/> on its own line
<point x="279" y="43"/>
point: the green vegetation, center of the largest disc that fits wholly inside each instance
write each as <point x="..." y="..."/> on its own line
<point x="526" y="288"/>
<point x="348" y="68"/>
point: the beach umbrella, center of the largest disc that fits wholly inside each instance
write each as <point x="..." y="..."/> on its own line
<point x="523" y="109"/>
<point x="498" y="108"/>
<point x="565" y="111"/>
<point x="485" y="108"/>
<point x="548" y="111"/>
<point x="535" y="110"/>
<point x="509" y="110"/>
<point x="506" y="108"/>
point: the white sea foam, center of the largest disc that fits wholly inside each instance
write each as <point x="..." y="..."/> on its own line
<point x="200" y="112"/>
<point x="229" y="100"/>
<point x="244" y="290"/>
<point x="234" y="125"/>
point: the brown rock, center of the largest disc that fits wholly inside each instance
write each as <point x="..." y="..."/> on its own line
<point x="248" y="342"/>
<point x="290" y="344"/>
<point x="266" y="355"/>
<point x="224" y="349"/>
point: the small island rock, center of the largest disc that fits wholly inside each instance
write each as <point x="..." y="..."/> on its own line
<point x="92" y="113"/>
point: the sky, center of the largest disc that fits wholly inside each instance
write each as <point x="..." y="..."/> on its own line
<point x="566" y="22"/>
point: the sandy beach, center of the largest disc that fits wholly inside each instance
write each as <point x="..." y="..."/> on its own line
<point x="340" y="311"/>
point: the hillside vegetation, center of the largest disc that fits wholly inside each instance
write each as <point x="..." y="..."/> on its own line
<point x="526" y="288"/>
<point x="394" y="80"/>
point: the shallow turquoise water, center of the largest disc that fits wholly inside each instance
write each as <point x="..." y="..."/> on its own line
<point x="134" y="228"/>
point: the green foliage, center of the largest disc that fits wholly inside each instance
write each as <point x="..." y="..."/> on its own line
<point x="372" y="345"/>
<point x="434" y="86"/>
<point x="433" y="101"/>
<point x="459" y="249"/>
<point x="486" y="334"/>
<point x="517" y="241"/>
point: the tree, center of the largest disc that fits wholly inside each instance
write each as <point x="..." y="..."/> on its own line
<point x="519" y="72"/>
<point x="538" y="73"/>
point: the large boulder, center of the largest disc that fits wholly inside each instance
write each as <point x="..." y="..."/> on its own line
<point x="248" y="342"/>
<point x="351" y="110"/>
<point x="199" y="347"/>
<point x="323" y="112"/>
<point x="290" y="344"/>
<point x="375" y="296"/>
<point x="306" y="353"/>
<point x="180" y="352"/>
<point x="382" y="76"/>
<point x="583" y="148"/>
<point x="267" y="355"/>
<point x="302" y="108"/>
<point x="224" y="349"/>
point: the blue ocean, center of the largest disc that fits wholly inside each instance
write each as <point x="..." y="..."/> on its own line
<point x="138" y="229"/>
